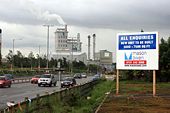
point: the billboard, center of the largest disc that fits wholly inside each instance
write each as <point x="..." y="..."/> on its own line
<point x="137" y="51"/>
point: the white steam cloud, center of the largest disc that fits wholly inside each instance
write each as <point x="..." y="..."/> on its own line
<point x="41" y="15"/>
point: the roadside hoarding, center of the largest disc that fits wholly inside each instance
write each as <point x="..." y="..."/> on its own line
<point x="137" y="51"/>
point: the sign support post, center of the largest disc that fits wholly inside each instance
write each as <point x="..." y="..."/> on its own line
<point x="154" y="83"/>
<point x="117" y="82"/>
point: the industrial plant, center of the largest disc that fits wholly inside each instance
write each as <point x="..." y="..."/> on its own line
<point x="68" y="47"/>
<point x="71" y="49"/>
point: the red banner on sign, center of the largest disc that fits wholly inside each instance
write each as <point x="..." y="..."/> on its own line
<point x="135" y="62"/>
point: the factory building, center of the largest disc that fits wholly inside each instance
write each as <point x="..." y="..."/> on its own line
<point x="68" y="47"/>
<point x="104" y="59"/>
<point x="63" y="43"/>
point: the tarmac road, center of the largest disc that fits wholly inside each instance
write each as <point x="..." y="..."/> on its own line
<point x="18" y="92"/>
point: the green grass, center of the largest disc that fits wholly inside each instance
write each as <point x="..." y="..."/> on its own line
<point x="73" y="103"/>
<point x="97" y="95"/>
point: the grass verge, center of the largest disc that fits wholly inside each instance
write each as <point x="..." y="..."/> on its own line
<point x="72" y="103"/>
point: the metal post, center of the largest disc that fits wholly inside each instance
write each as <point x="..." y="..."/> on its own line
<point x="47" y="44"/>
<point x="154" y="83"/>
<point x="39" y="59"/>
<point x="72" y="57"/>
<point x="48" y="27"/>
<point x="117" y="82"/>
<point x="59" y="73"/>
<point x="12" y="54"/>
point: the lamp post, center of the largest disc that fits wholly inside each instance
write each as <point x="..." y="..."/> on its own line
<point x="48" y="27"/>
<point x="72" y="56"/>
<point x="39" y="65"/>
<point x="13" y="52"/>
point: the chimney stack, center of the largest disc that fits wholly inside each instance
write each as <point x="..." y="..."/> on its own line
<point x="94" y="45"/>
<point x="89" y="47"/>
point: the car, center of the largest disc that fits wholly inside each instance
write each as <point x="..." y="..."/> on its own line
<point x="83" y="75"/>
<point x="10" y="76"/>
<point x="47" y="79"/>
<point x="68" y="82"/>
<point x="77" y="76"/>
<point x="34" y="80"/>
<point x="96" y="77"/>
<point x="5" y="81"/>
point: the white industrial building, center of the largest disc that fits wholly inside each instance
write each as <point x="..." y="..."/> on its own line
<point x="63" y="43"/>
<point x="68" y="47"/>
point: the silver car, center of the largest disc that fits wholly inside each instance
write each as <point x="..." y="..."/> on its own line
<point x="47" y="79"/>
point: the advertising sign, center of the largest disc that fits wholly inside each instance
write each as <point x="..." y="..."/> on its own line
<point x="137" y="51"/>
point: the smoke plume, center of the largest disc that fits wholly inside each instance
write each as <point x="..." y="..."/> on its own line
<point x="45" y="16"/>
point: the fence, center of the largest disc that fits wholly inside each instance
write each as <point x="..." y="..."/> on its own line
<point x="47" y="101"/>
<point x="21" y="80"/>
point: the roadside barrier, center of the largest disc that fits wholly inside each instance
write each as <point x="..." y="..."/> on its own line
<point x="42" y="101"/>
<point x="21" y="80"/>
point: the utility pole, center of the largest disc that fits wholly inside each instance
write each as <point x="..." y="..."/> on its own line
<point x="39" y="65"/>
<point x="13" y="52"/>
<point x="71" y="55"/>
<point x="48" y="27"/>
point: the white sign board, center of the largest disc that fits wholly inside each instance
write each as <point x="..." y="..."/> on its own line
<point x="137" y="51"/>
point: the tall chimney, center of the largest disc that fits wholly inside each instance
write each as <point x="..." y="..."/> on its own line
<point x="94" y="45"/>
<point x="89" y="47"/>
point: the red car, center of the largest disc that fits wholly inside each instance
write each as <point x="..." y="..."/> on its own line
<point x="4" y="81"/>
<point x="34" y="80"/>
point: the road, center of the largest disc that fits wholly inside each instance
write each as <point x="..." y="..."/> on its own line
<point x="18" y="92"/>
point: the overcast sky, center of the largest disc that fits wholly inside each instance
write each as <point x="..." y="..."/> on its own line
<point x="24" y="19"/>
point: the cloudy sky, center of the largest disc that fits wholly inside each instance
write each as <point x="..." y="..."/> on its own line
<point x="25" y="18"/>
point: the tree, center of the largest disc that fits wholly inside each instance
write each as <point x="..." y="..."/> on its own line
<point x="31" y="58"/>
<point x="53" y="63"/>
<point x="164" y="60"/>
<point x="9" y="57"/>
<point x="18" y="59"/>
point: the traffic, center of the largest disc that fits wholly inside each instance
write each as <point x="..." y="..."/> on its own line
<point x="38" y="84"/>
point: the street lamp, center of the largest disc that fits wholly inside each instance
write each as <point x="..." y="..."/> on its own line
<point x="48" y="27"/>
<point x="13" y="52"/>
<point x="39" y="65"/>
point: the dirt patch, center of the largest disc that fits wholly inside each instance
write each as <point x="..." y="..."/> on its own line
<point x="135" y="104"/>
<point x="137" y="98"/>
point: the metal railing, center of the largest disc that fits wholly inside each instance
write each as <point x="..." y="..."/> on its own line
<point x="30" y="105"/>
<point x="21" y="80"/>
